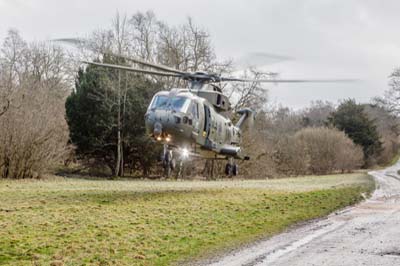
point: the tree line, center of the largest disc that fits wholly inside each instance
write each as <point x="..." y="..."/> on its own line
<point x="322" y="139"/>
<point x="54" y="110"/>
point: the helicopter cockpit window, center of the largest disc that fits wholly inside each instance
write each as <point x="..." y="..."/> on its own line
<point x="180" y="104"/>
<point x="160" y="102"/>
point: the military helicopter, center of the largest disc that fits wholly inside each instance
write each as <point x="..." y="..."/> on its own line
<point x="189" y="121"/>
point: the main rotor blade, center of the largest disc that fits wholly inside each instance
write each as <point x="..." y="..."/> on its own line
<point x="258" y="59"/>
<point x="73" y="41"/>
<point x="289" y="80"/>
<point x="153" y="65"/>
<point x="131" y="69"/>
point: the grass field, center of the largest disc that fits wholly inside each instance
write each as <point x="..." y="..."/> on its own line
<point x="86" y="222"/>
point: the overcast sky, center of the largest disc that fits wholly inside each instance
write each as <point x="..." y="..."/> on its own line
<point x="327" y="38"/>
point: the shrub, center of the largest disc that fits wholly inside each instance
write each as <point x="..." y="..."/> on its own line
<point x="291" y="156"/>
<point x="33" y="130"/>
<point x="318" y="150"/>
<point x="33" y="133"/>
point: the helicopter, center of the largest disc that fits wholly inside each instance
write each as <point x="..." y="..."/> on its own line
<point x="189" y="121"/>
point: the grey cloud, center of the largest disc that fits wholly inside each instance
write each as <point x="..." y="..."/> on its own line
<point x="328" y="38"/>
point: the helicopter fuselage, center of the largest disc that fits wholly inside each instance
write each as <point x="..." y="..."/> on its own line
<point x="184" y="120"/>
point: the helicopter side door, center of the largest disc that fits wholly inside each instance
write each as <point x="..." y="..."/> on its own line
<point x="194" y="118"/>
<point x="207" y="127"/>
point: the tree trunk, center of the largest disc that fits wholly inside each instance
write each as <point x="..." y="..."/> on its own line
<point x="122" y="123"/>
<point x="119" y="143"/>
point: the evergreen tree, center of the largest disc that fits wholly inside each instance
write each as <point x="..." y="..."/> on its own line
<point x="350" y="118"/>
<point x="92" y="116"/>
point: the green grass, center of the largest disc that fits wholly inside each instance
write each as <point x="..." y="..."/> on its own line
<point x="81" y="222"/>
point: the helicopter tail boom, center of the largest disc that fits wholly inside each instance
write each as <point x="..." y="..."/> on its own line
<point x="245" y="113"/>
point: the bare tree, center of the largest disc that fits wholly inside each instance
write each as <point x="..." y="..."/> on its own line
<point x="388" y="126"/>
<point x="33" y="135"/>
<point x="317" y="114"/>
<point x="249" y="94"/>
<point x="259" y="146"/>
<point x="391" y="99"/>
<point x="121" y="36"/>
<point x="143" y="28"/>
<point x="284" y="121"/>
<point x="11" y="54"/>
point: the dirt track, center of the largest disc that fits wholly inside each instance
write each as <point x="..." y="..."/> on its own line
<point x="366" y="234"/>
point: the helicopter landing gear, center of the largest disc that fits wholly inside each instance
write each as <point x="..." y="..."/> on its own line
<point x="231" y="168"/>
<point x="180" y="170"/>
<point x="168" y="161"/>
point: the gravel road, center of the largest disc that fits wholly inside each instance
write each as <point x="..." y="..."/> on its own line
<point x="366" y="234"/>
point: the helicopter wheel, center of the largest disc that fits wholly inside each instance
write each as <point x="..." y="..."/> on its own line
<point x="169" y="163"/>
<point x="231" y="168"/>
<point x="228" y="169"/>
